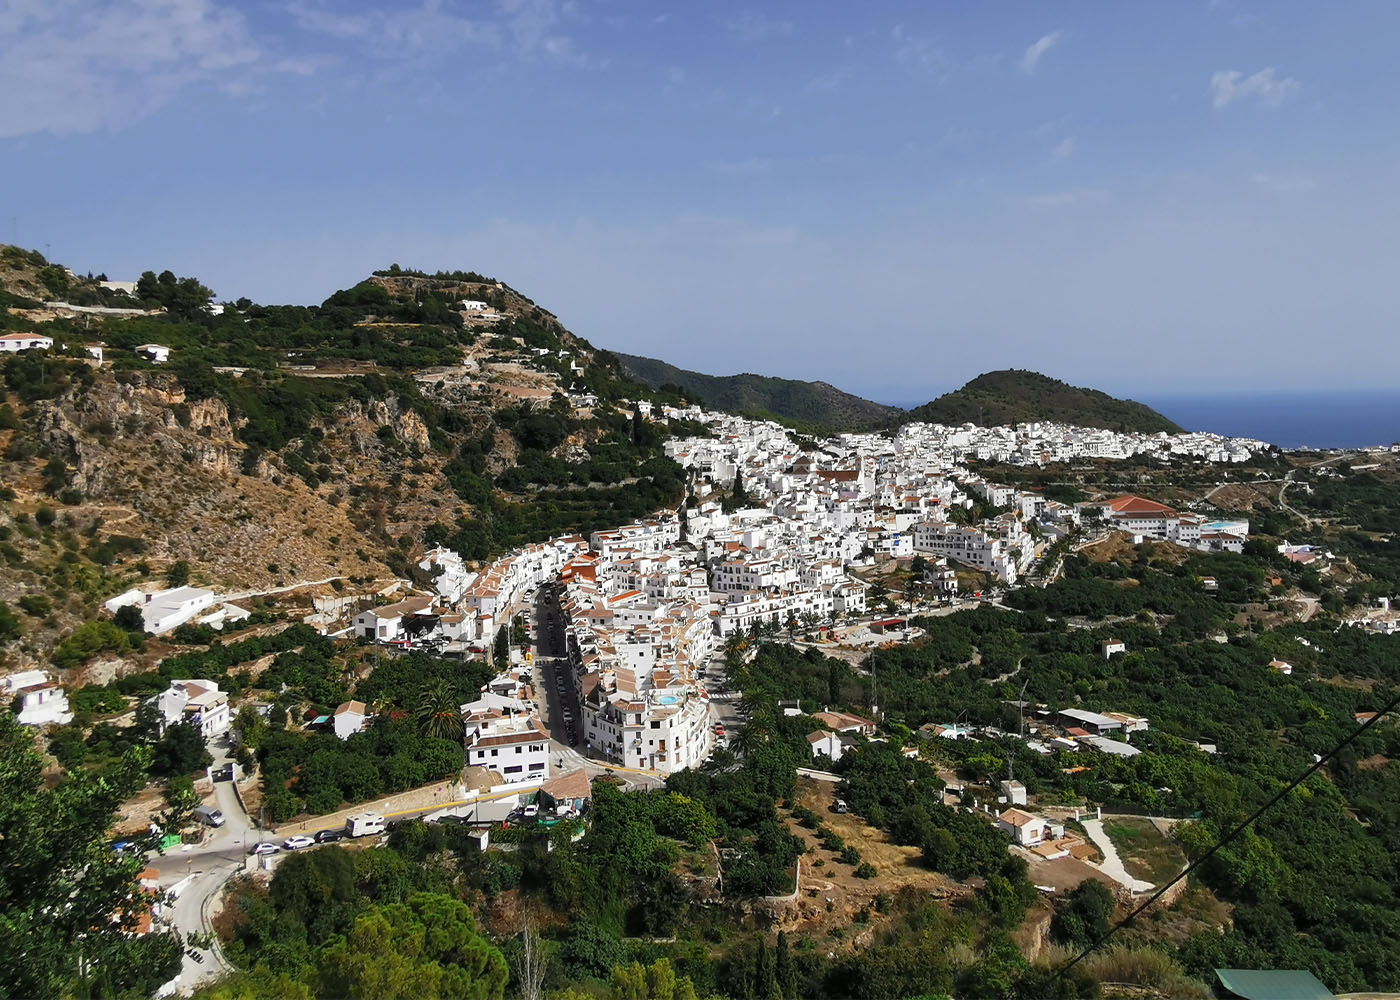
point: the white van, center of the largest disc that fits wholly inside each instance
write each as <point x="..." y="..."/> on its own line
<point x="364" y="825"/>
<point x="209" y="815"/>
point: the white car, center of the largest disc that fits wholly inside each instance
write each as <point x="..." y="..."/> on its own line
<point x="265" y="849"/>
<point x="298" y="842"/>
<point x="531" y="810"/>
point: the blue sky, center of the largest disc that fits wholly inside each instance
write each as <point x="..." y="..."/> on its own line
<point x="1148" y="197"/>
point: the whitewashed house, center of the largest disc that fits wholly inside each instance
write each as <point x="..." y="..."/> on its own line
<point x="167" y="609"/>
<point x="13" y="343"/>
<point x="1014" y="791"/>
<point x="41" y="702"/>
<point x="825" y="742"/>
<point x="387" y="623"/>
<point x="157" y="354"/>
<point x="197" y="701"/>
<point x="1027" y="829"/>
<point x="349" y="719"/>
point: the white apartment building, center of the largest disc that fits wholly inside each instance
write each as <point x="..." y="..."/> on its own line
<point x="513" y="745"/>
<point x="968" y="545"/>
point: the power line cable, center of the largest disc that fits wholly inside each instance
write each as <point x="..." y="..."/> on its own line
<point x="1186" y="872"/>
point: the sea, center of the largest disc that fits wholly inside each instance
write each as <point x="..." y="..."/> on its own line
<point x="1302" y="419"/>
<point x="1290" y="419"/>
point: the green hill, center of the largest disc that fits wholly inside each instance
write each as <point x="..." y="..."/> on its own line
<point x="1014" y="396"/>
<point x="813" y="404"/>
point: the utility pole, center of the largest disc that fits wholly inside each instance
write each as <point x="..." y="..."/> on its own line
<point x="874" y="690"/>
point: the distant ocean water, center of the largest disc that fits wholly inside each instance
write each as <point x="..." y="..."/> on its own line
<point x="1290" y="419"/>
<point x="1287" y="419"/>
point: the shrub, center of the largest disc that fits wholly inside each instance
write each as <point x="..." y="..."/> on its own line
<point x="865" y="870"/>
<point x="87" y="641"/>
<point x="36" y="605"/>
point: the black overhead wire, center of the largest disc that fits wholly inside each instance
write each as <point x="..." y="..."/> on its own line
<point x="1186" y="872"/>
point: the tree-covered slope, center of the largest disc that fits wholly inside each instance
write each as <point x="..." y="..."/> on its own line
<point x="815" y="403"/>
<point x="1014" y="396"/>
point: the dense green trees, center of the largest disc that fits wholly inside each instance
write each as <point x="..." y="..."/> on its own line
<point x="66" y="897"/>
<point x="427" y="948"/>
<point x="318" y="772"/>
<point x="1084" y="915"/>
<point x="87" y="640"/>
<point x="184" y="298"/>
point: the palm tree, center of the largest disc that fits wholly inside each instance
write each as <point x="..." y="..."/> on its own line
<point x="439" y="713"/>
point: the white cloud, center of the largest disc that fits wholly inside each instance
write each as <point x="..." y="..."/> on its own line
<point x="917" y="51"/>
<point x="523" y="27"/>
<point x="1038" y="48"/>
<point x="828" y="83"/>
<point x="1063" y="150"/>
<point x="1230" y="85"/>
<point x="1284" y="183"/>
<point x="750" y="27"/>
<point x="533" y="25"/>
<point x="72" y="66"/>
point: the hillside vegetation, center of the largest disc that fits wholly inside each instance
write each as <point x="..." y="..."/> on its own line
<point x="811" y="404"/>
<point x="1014" y="396"/>
<point x="290" y="443"/>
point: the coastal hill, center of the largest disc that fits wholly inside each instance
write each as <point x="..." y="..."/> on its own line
<point x="278" y="444"/>
<point x="809" y="404"/>
<point x="1015" y="396"/>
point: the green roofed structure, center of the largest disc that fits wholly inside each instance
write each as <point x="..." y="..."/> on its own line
<point x="1273" y="984"/>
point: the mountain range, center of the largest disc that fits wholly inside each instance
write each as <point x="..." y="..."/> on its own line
<point x="1009" y="396"/>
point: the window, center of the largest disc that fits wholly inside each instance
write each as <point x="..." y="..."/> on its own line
<point x="537" y="766"/>
<point x="514" y="769"/>
<point x="494" y="752"/>
<point x="655" y="724"/>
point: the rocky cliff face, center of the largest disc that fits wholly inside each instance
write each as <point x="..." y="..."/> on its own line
<point x="154" y="465"/>
<point x="82" y="428"/>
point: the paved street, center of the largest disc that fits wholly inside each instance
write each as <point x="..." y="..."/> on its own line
<point x="197" y="872"/>
<point x="559" y="701"/>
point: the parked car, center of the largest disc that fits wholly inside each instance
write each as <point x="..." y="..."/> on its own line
<point x="298" y="842"/>
<point x="531" y="811"/>
<point x="209" y="816"/>
<point x="265" y="848"/>
<point x="329" y="836"/>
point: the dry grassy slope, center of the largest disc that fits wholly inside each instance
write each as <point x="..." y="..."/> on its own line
<point x="148" y="470"/>
<point x="20" y="277"/>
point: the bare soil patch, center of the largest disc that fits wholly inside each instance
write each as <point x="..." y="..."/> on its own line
<point x="831" y="893"/>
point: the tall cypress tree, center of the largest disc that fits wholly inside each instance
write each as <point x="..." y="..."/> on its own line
<point x="786" y="971"/>
<point x="765" y="982"/>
